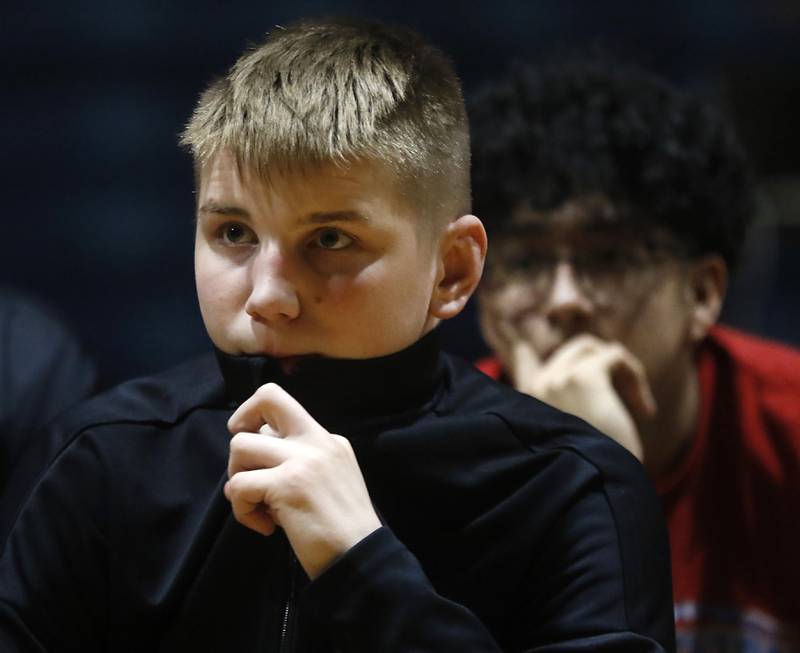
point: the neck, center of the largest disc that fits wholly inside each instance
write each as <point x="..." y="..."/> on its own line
<point x="668" y="434"/>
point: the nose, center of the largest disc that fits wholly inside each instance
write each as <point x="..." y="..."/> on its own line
<point x="567" y="305"/>
<point x="273" y="295"/>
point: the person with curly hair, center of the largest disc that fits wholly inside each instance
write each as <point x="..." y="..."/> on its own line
<point x="616" y="207"/>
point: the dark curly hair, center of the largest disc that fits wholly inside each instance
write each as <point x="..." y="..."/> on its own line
<point x="563" y="131"/>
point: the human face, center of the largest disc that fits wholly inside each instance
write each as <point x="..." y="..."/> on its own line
<point x="572" y="272"/>
<point x="326" y="262"/>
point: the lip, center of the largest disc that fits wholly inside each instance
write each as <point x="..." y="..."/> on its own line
<point x="278" y="355"/>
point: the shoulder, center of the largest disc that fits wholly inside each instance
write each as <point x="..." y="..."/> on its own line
<point x="539" y="428"/>
<point x="128" y="422"/>
<point x="163" y="398"/>
<point x="761" y="377"/>
<point x="564" y="457"/>
<point x="769" y="362"/>
<point x="569" y="483"/>
<point x="141" y="424"/>
<point x="756" y="393"/>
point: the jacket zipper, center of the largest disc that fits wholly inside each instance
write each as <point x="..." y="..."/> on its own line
<point x="288" y="608"/>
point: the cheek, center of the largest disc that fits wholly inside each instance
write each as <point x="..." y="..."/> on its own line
<point x="349" y="291"/>
<point x="659" y="334"/>
<point x="341" y="292"/>
<point x="507" y="301"/>
<point x="209" y="288"/>
<point x="374" y="294"/>
<point x="219" y="289"/>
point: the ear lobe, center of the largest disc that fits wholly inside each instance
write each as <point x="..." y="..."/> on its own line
<point x="709" y="282"/>
<point x="462" y="254"/>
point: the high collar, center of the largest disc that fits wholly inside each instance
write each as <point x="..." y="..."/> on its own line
<point x="343" y="394"/>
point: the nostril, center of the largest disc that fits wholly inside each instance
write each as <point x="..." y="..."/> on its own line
<point x="273" y="301"/>
<point x="255" y="316"/>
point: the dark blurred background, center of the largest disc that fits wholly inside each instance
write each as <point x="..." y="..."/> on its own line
<point x="98" y="202"/>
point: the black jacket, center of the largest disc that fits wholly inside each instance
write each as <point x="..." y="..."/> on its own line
<point x="509" y="525"/>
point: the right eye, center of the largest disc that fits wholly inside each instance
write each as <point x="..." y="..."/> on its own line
<point x="235" y="233"/>
<point x="531" y="263"/>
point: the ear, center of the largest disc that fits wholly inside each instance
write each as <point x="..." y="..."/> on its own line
<point x="708" y="281"/>
<point x="462" y="251"/>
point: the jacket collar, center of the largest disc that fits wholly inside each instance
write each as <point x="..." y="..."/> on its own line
<point x="346" y="394"/>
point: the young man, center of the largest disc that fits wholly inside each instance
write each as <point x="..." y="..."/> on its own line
<point x="376" y="494"/>
<point x="618" y="205"/>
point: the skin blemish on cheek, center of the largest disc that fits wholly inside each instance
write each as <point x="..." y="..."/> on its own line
<point x="317" y="299"/>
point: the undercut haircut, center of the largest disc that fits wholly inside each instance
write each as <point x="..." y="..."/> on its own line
<point x="339" y="92"/>
<point x="581" y="129"/>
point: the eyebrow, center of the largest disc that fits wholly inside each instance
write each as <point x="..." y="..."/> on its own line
<point x="322" y="217"/>
<point x="336" y="216"/>
<point x="222" y="209"/>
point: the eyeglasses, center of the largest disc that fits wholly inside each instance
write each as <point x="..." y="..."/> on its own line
<point x="608" y="273"/>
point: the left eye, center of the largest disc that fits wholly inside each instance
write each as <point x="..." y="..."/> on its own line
<point x="331" y="239"/>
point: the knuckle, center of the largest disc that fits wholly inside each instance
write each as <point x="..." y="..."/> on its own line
<point x="238" y="444"/>
<point x="617" y="352"/>
<point x="342" y="442"/>
<point x="234" y="486"/>
<point x="586" y="339"/>
<point x="617" y="349"/>
<point x="266" y="391"/>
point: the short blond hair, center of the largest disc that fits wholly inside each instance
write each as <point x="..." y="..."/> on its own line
<point x="338" y="91"/>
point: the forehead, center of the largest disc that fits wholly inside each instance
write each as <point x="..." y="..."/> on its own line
<point x="317" y="188"/>
<point x="584" y="221"/>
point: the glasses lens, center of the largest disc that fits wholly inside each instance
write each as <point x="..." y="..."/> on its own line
<point x="606" y="270"/>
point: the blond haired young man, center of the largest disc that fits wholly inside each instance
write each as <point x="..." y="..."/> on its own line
<point x="408" y="502"/>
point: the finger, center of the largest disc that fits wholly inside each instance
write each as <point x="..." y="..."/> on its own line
<point x="256" y="451"/>
<point x="259" y="519"/>
<point x="495" y="331"/>
<point x="247" y="492"/>
<point x="272" y="405"/>
<point x="505" y="340"/>
<point x="571" y="351"/>
<point x="629" y="379"/>
<point x="526" y="363"/>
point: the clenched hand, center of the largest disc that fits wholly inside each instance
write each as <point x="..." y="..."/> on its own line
<point x="286" y="470"/>
<point x="599" y="381"/>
